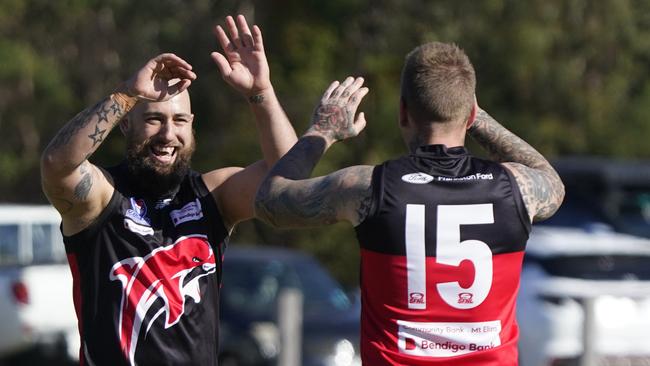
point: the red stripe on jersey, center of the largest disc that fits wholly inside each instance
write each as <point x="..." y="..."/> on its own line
<point x="76" y="297"/>
<point x="393" y="334"/>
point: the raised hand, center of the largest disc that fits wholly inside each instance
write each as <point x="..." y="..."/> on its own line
<point x="243" y="63"/>
<point x="162" y="77"/>
<point x="334" y="117"/>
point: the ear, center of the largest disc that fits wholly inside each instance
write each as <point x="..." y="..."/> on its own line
<point x="472" y="114"/>
<point x="403" y="113"/>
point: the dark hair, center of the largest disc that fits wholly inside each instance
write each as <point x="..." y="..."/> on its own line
<point x="438" y="83"/>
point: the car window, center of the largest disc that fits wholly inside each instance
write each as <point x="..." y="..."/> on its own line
<point x="8" y="244"/>
<point x="253" y="287"/>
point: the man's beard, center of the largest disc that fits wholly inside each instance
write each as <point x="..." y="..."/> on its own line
<point x="152" y="178"/>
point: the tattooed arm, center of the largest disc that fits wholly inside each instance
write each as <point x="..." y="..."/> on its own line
<point x="540" y="185"/>
<point x="288" y="198"/>
<point x="78" y="189"/>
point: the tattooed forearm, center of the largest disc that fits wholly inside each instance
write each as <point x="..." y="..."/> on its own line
<point x="79" y="138"/>
<point x="72" y="128"/>
<point x="285" y="206"/>
<point x="540" y="185"/>
<point x="504" y="145"/>
<point x="345" y="194"/>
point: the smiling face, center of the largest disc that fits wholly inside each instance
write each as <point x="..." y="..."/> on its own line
<point x="160" y="143"/>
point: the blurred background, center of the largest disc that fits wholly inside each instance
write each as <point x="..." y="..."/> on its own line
<point x="570" y="77"/>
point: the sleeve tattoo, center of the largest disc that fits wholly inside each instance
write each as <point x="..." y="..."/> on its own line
<point x="288" y="198"/>
<point x="539" y="183"/>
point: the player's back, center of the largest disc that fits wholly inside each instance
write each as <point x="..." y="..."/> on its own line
<point x="441" y="254"/>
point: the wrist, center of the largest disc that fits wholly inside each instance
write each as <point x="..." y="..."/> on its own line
<point x="329" y="140"/>
<point x="260" y="96"/>
<point x="122" y="96"/>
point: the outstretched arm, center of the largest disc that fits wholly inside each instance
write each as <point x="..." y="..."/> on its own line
<point x="287" y="198"/>
<point x="78" y="189"/>
<point x="540" y="185"/>
<point x="243" y="65"/>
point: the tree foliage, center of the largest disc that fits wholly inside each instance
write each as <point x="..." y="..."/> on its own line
<point x="569" y="77"/>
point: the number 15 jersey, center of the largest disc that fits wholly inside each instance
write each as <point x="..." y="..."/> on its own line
<point x="441" y="256"/>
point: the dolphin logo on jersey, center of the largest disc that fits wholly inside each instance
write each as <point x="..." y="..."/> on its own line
<point x="169" y="273"/>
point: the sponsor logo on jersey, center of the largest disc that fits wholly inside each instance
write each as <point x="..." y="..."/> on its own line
<point x="477" y="176"/>
<point x="189" y="212"/>
<point x="170" y="274"/>
<point x="417" y="178"/>
<point x="416" y="298"/>
<point x="465" y="298"/>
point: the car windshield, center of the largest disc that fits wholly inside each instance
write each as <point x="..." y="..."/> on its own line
<point x="625" y="209"/>
<point x="252" y="286"/>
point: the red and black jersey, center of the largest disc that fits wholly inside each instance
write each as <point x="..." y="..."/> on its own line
<point x="441" y="255"/>
<point x="146" y="277"/>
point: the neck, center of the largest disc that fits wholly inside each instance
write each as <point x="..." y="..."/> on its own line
<point x="450" y="134"/>
<point x="430" y="139"/>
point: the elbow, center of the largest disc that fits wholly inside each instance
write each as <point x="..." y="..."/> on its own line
<point x="54" y="164"/>
<point x="49" y="163"/>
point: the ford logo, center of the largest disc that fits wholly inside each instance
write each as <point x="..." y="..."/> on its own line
<point x="417" y="178"/>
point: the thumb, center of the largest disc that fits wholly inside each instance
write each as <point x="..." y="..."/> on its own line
<point x="360" y="123"/>
<point x="222" y="63"/>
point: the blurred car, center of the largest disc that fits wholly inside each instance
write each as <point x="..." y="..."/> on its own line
<point x="585" y="288"/>
<point x="36" y="308"/>
<point x="254" y="279"/>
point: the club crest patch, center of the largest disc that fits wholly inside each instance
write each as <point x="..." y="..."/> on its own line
<point x="136" y="219"/>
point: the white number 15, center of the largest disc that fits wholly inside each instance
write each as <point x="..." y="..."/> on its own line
<point x="450" y="251"/>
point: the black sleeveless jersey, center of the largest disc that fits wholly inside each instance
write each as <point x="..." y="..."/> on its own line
<point x="441" y="256"/>
<point x="146" y="277"/>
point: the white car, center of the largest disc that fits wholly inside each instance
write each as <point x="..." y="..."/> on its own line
<point x="584" y="298"/>
<point x="36" y="304"/>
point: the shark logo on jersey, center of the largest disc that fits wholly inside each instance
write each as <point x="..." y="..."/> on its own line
<point x="168" y="273"/>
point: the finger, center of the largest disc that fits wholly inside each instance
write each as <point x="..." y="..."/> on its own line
<point x="169" y="59"/>
<point x="222" y="63"/>
<point x="356" y="97"/>
<point x="352" y="88"/>
<point x="329" y="90"/>
<point x="338" y="91"/>
<point x="223" y="39"/>
<point x="246" y="37"/>
<point x="234" y="32"/>
<point x="178" y="87"/>
<point x="257" y="39"/>
<point x="181" y="73"/>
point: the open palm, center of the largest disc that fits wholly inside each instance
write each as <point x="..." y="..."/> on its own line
<point x="243" y="63"/>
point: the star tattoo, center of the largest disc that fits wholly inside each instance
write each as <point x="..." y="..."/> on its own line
<point x="97" y="136"/>
<point x="102" y="114"/>
<point x="115" y="108"/>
